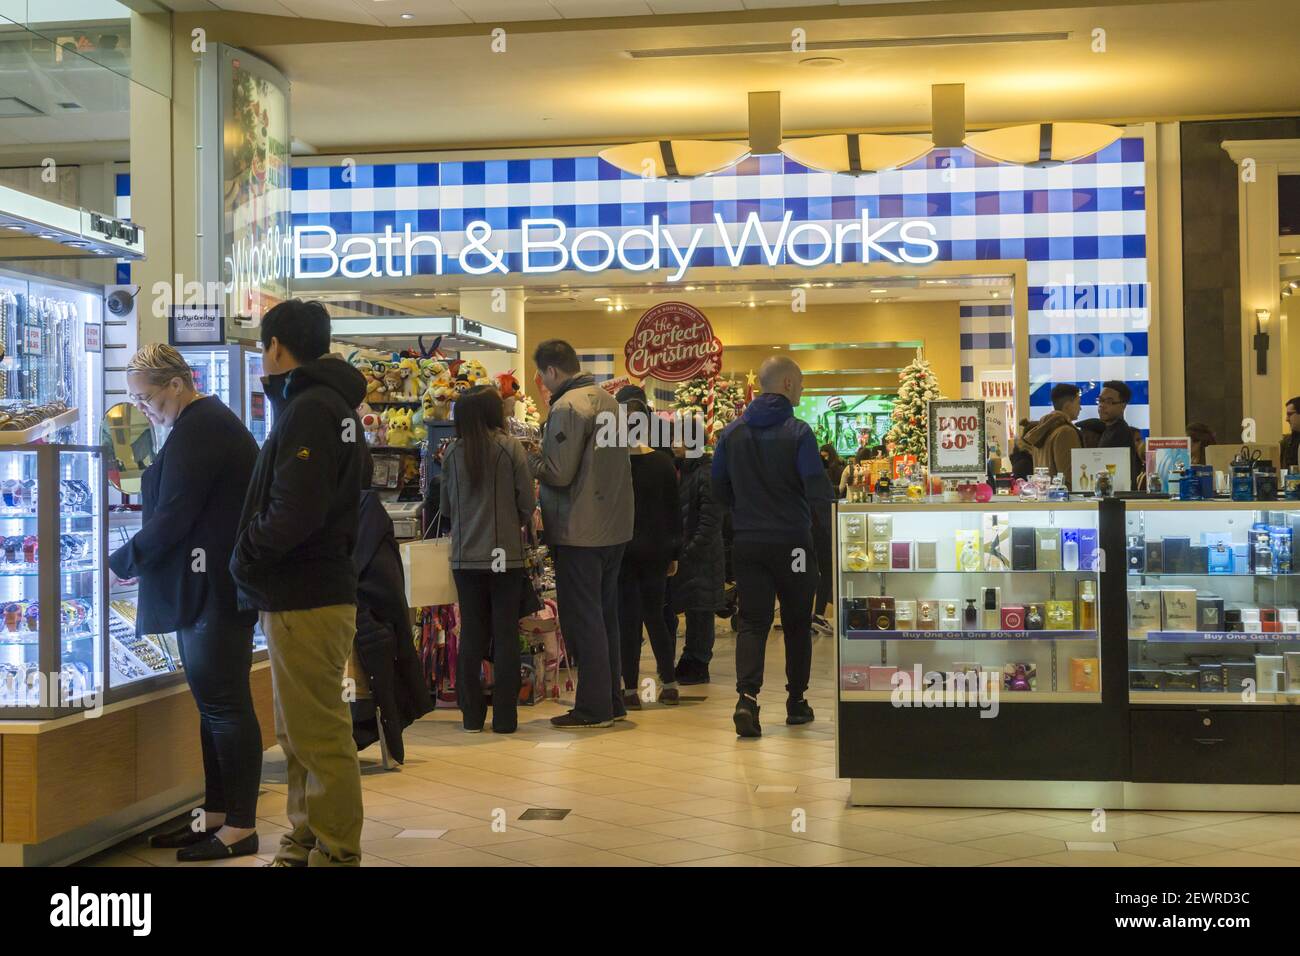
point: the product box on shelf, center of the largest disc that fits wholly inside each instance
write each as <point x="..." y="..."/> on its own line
<point x="1291" y="664"/>
<point x="1178" y="609"/>
<point x="1013" y="617"/>
<point x="856" y="615"/>
<point x="950" y="614"/>
<point x="1209" y="612"/>
<point x="968" y="671"/>
<point x="905" y="614"/>
<point x="1136" y="554"/>
<point x="1155" y="557"/>
<point x="880" y="527"/>
<point x="1174" y="558"/>
<point x="900" y="555"/>
<point x="1022" y="549"/>
<point x="1060" y="615"/>
<point x="990" y="608"/>
<point x="1269" y="622"/>
<point x="996" y="535"/>
<point x="1250" y="621"/>
<point x="1020" y="676"/>
<point x="881" y="677"/>
<point x="880" y="555"/>
<point x="1270" y="674"/>
<point x="1211" y="678"/>
<point x="880" y="611"/>
<point x="1035" y="617"/>
<point x="1240" y="558"/>
<point x="967" y="543"/>
<point x="927" y="554"/>
<point x="1143" y="610"/>
<point x="1180" y="679"/>
<point x="1047" y="549"/>
<point x="1085" y="674"/>
<point x="1198" y="559"/>
<point x="855" y="677"/>
<point x="927" y="615"/>
<point x="1220" y="558"/>
<point x="1143" y="678"/>
<point x="1235" y="675"/>
<point x="1088" y="552"/>
<point x="1289" y="618"/>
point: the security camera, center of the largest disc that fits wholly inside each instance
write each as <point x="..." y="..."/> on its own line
<point x="120" y="302"/>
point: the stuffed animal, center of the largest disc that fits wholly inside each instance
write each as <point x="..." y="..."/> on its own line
<point x="374" y="386"/>
<point x="399" y="427"/>
<point x="418" y="430"/>
<point x="410" y="372"/>
<point x="475" y="371"/>
<point x="461" y="384"/>
<point x="508" y="385"/>
<point x="372" y="423"/>
<point x="393" y="384"/>
<point x="440" y="397"/>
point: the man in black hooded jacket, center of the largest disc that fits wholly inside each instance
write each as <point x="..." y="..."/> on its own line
<point x="293" y="565"/>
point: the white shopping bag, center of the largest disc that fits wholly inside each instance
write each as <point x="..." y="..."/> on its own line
<point x="427" y="567"/>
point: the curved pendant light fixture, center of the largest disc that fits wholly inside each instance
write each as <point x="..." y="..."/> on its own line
<point x="1043" y="144"/>
<point x="674" y="158"/>
<point x="856" y="154"/>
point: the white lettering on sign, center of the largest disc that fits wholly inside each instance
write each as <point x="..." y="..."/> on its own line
<point x="546" y="246"/>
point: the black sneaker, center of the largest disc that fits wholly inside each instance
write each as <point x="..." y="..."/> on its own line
<point x="746" y="717"/>
<point x="631" y="700"/>
<point x="798" y="712"/>
<point x="821" y="625"/>
<point x="691" y="671"/>
<point x="670" y="696"/>
<point x="571" y="721"/>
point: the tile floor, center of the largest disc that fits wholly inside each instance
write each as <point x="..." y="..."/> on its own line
<point x="674" y="787"/>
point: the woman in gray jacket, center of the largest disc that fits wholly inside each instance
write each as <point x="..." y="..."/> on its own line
<point x="487" y="492"/>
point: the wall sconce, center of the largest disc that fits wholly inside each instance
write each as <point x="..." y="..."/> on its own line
<point x="1261" y="341"/>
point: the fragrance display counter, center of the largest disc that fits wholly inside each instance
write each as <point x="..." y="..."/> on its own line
<point x="1020" y="654"/>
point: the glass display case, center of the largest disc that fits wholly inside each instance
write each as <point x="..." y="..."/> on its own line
<point x="1213" y="592"/>
<point x="992" y="600"/>
<point x="233" y="373"/>
<point x="52" y="653"/>
<point x="133" y="657"/>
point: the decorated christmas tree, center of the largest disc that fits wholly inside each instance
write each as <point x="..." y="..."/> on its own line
<point x="917" y="385"/>
<point x="718" y="400"/>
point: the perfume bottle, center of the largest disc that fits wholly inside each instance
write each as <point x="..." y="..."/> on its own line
<point x="1070" y="551"/>
<point x="1033" y="618"/>
<point x="970" y="616"/>
<point x="1057" y="490"/>
<point x="970" y="559"/>
<point x="992" y="618"/>
<point x="1087" y="606"/>
<point x="1220" y="559"/>
<point x="1104" y="485"/>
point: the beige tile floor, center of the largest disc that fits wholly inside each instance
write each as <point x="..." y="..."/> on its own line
<point x="674" y="787"/>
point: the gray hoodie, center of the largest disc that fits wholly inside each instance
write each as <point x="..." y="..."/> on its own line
<point x="586" y="489"/>
<point x="487" y="516"/>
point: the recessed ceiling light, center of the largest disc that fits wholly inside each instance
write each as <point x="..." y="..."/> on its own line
<point x="690" y="288"/>
<point x="16" y="228"/>
<point x="996" y="294"/>
<point x="821" y="62"/>
<point x="46" y="235"/>
<point x="879" y="291"/>
<point x="602" y="298"/>
<point x="408" y="16"/>
<point x="418" y="294"/>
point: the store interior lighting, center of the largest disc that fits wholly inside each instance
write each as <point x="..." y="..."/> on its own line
<point x="674" y="158"/>
<point x="856" y="154"/>
<point x="1043" y="144"/>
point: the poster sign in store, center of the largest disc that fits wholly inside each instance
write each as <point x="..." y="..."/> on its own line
<point x="1164" y="455"/>
<point x="673" y="342"/>
<point x="196" y="325"/>
<point x="956" y="438"/>
<point x="612" y="385"/>
<point x="32" y="340"/>
<point x="94" y="340"/>
<point x="1089" y="464"/>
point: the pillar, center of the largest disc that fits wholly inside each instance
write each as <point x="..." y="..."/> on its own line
<point x="501" y="309"/>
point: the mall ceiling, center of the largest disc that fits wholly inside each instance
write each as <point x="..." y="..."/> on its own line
<point x="649" y="68"/>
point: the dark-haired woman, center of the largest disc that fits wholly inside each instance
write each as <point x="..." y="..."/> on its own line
<point x="487" y="492"/>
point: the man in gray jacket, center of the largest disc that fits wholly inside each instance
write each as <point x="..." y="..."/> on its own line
<point x="587" y="513"/>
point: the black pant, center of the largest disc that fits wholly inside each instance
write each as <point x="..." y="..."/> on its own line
<point x="489" y="612"/>
<point x="825" y="572"/>
<point x="698" y="646"/>
<point x="642" y="591"/>
<point x="217" y="656"/>
<point x="764" y="572"/>
<point x="586" y="590"/>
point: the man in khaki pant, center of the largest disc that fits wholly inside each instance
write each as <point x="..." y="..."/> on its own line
<point x="293" y="565"/>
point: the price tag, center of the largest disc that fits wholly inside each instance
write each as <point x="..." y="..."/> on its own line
<point x="957" y="438"/>
<point x="32" y="339"/>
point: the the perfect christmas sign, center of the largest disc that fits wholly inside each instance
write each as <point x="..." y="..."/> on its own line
<point x="673" y="342"/>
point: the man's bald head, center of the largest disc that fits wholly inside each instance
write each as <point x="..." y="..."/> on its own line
<point x="782" y="375"/>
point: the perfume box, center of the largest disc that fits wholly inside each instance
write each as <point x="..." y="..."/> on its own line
<point x="1269" y="622"/>
<point x="927" y="555"/>
<point x="1241" y="558"/>
<point x="927" y="615"/>
<point x="990" y="605"/>
<point x="881" y="678"/>
<point x="1198" y="559"/>
<point x="1211" y="680"/>
<point x="1232" y="619"/>
<point x="1143" y="610"/>
<point x="1270" y="674"/>
<point x="1144" y="679"/>
<point x="880" y="611"/>
<point x="1155" y="557"/>
<point x="1136" y="554"/>
<point x="879" y="554"/>
<point x="1220" y="558"/>
<point x="1047" y="549"/>
<point x="1085" y="674"/>
<point x="968" y="673"/>
<point x="1069" y="549"/>
<point x="1175" y="559"/>
<point x="1178" y="607"/>
<point x="1291" y="664"/>
<point x="1209" y="613"/>
<point x="1035" y="617"/>
<point x="1022" y="549"/>
<point x="1180" y="679"/>
<point x="854" y="677"/>
<point x="968" y="550"/>
<point x="996" y="534"/>
<point x="950" y="614"/>
<point x="1289" y="618"/>
<point x="1088" y="549"/>
<point x="1250" y="621"/>
<point x="853" y="527"/>
<point x="1060" y="615"/>
<point x="880" y="527"/>
<point x="900" y="555"/>
<point x="1013" y="617"/>
<point x="855" y="556"/>
<point x="1020" y="676"/>
<point x="1235" y="674"/>
<point x="856" y="616"/>
<point x="905" y="614"/>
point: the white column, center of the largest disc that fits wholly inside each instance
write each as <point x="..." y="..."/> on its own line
<point x="501" y="309"/>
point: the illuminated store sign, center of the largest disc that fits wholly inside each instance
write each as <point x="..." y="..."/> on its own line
<point x="548" y="245"/>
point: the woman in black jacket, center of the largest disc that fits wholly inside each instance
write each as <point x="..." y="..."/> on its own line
<point x="193" y="494"/>
<point x="696" y="588"/>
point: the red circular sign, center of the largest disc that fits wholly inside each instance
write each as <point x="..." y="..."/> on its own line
<point x="673" y="342"/>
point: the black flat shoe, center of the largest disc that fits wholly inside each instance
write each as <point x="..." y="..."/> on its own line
<point x="175" y="839"/>
<point x="214" y="849"/>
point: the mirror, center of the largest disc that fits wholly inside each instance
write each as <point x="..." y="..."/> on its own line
<point x="128" y="441"/>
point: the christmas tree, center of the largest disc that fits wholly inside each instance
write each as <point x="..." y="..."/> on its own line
<point x="718" y="401"/>
<point x="917" y="385"/>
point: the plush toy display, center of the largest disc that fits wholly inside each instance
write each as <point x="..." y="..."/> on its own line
<point x="509" y="386"/>
<point x="410" y="371"/>
<point x="399" y="427"/>
<point x="441" y="396"/>
<point x="393" y="384"/>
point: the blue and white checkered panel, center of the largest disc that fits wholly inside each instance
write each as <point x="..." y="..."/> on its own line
<point x="122" y="210"/>
<point x="986" y="342"/>
<point x="599" y="362"/>
<point x="1081" y="226"/>
<point x="664" y="397"/>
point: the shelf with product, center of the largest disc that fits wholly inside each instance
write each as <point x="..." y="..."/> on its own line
<point x="1213" y="597"/>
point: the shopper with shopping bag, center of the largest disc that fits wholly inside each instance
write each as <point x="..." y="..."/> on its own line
<point x="487" y="493"/>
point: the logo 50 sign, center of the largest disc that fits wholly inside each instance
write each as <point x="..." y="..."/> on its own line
<point x="673" y="342"/>
<point x="957" y="439"/>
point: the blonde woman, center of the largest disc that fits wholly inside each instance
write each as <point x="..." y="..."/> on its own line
<point x="193" y="493"/>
